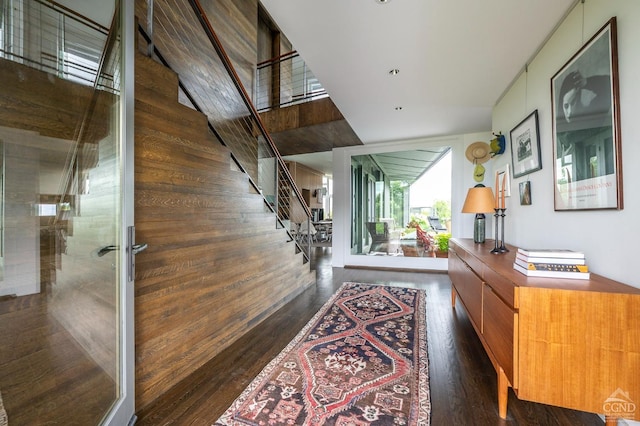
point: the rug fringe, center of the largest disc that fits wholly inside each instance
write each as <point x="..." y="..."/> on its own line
<point x="4" y="420"/>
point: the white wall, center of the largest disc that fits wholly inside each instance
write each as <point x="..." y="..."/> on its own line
<point x="461" y="180"/>
<point x="609" y="238"/>
<point x="101" y="12"/>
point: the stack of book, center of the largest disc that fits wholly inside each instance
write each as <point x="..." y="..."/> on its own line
<point x="551" y="263"/>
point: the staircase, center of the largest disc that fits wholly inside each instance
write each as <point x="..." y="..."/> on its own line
<point x="217" y="264"/>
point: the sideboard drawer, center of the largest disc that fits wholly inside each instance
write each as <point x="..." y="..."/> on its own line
<point x="502" y="286"/>
<point x="475" y="264"/>
<point x="498" y="331"/>
<point x="469" y="287"/>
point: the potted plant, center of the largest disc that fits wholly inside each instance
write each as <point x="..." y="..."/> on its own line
<point x="442" y="244"/>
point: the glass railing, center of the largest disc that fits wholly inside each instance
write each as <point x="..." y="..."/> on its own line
<point x="294" y="82"/>
<point x="48" y="36"/>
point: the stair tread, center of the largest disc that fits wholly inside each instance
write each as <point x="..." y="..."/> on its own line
<point x="156" y="77"/>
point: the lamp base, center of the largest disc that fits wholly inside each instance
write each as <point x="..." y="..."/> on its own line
<point x="479" y="228"/>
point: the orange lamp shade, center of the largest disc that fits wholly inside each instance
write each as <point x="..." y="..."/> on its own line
<point x="479" y="200"/>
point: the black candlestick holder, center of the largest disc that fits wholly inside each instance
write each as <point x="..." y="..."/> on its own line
<point x="503" y="247"/>
<point x="496" y="240"/>
<point x="499" y="246"/>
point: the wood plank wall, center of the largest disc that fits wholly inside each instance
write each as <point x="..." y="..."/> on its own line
<point x="216" y="264"/>
<point x="235" y="23"/>
<point x="179" y="37"/>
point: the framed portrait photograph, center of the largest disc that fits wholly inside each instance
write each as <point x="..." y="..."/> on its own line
<point x="525" y="146"/>
<point x="587" y="168"/>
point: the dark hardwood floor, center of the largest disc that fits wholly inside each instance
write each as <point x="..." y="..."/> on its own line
<point x="462" y="380"/>
<point x="46" y="376"/>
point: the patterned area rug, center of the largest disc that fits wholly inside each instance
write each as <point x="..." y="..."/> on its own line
<point x="361" y="360"/>
<point x="3" y="414"/>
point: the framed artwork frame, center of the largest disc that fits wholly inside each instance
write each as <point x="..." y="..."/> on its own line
<point x="525" y="146"/>
<point x="525" y="193"/>
<point x="585" y="104"/>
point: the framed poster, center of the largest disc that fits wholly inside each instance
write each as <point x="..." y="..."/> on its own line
<point x="525" y="146"/>
<point x="587" y="168"/>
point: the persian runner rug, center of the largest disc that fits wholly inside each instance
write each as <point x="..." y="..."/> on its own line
<point x="361" y="360"/>
<point x="3" y="414"/>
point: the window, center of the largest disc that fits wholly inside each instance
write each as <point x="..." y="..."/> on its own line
<point x="390" y="190"/>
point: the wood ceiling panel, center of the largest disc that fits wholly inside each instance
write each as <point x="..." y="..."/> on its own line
<point x="317" y="138"/>
<point x="316" y="126"/>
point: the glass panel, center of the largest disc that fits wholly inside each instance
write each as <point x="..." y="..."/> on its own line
<point x="401" y="202"/>
<point x="61" y="210"/>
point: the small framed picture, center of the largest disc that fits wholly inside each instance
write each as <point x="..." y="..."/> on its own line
<point x="525" y="146"/>
<point x="525" y="193"/>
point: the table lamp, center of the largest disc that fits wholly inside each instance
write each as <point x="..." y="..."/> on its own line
<point x="480" y="200"/>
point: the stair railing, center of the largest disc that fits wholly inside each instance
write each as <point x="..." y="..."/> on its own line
<point x="285" y="81"/>
<point x="219" y="93"/>
<point x="42" y="43"/>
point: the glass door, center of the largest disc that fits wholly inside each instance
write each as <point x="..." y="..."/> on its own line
<point x="66" y="299"/>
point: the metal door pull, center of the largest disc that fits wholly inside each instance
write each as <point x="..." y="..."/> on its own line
<point x="106" y="249"/>
<point x="137" y="248"/>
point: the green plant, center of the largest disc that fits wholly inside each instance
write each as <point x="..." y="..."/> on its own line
<point x="442" y="241"/>
<point x="442" y="210"/>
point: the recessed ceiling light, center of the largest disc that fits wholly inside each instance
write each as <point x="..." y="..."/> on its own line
<point x="382" y="1"/>
<point x="398" y="108"/>
<point x="394" y="71"/>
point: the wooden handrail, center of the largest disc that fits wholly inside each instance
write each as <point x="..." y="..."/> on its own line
<point x="277" y="59"/>
<point x="226" y="61"/>
<point x="72" y="14"/>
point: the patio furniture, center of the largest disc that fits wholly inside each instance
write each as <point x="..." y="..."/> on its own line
<point x="435" y="224"/>
<point x="380" y="239"/>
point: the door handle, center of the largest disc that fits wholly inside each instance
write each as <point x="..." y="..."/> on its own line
<point x="132" y="251"/>
<point x="106" y="249"/>
<point x="137" y="248"/>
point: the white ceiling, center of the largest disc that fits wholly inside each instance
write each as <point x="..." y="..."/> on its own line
<point x="321" y="161"/>
<point x="99" y="11"/>
<point x="455" y="57"/>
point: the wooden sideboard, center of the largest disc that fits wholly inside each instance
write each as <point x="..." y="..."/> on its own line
<point x="564" y="342"/>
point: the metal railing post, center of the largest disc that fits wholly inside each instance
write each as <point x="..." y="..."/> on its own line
<point x="309" y="237"/>
<point x="150" y="46"/>
<point x="60" y="48"/>
<point x="276" y="195"/>
<point x="305" y="84"/>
